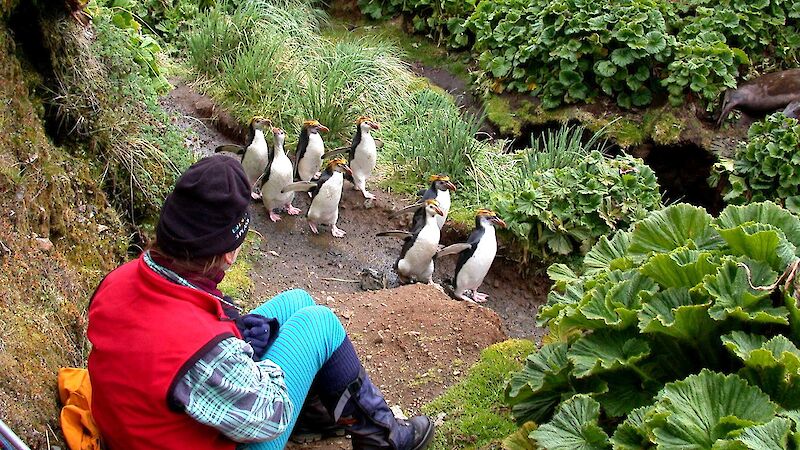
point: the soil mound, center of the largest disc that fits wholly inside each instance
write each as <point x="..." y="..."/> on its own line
<point x="414" y="341"/>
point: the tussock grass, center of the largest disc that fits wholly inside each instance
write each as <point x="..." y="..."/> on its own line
<point x="474" y="417"/>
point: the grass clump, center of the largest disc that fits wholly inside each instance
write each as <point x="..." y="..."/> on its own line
<point x="474" y="418"/>
<point x="270" y="59"/>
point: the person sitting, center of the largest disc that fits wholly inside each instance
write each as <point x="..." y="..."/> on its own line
<point x="175" y="365"/>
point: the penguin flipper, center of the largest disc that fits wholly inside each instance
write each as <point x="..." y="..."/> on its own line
<point x="401" y="234"/>
<point x="407" y="209"/>
<point x="299" y="186"/>
<point x="233" y="148"/>
<point x="453" y="249"/>
<point x="334" y="152"/>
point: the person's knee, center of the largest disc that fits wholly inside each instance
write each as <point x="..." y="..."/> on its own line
<point x="294" y="300"/>
<point x="321" y="318"/>
<point x="299" y="297"/>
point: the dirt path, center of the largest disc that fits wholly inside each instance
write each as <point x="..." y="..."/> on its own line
<point x="324" y="261"/>
<point x="414" y="340"/>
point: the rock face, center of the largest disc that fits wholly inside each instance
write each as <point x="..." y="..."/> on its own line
<point x="414" y="342"/>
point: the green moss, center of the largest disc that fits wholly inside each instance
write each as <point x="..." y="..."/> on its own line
<point x="498" y="112"/>
<point x="237" y="282"/>
<point x="474" y="414"/>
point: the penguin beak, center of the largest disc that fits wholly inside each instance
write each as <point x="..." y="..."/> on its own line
<point x="450" y="186"/>
<point x="375" y="125"/>
<point x="438" y="210"/>
<point x="323" y="128"/>
<point x="499" y="222"/>
<point x="348" y="170"/>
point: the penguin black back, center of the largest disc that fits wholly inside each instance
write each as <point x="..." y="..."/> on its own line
<point x="302" y="144"/>
<point x="473" y="240"/>
<point x="418" y="221"/>
<point x="356" y="141"/>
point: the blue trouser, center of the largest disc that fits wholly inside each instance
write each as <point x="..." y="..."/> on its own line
<point x="308" y="335"/>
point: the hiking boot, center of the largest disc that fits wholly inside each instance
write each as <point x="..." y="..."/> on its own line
<point x="363" y="411"/>
<point x="315" y="423"/>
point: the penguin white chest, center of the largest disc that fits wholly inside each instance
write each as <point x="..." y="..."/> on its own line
<point x="365" y="157"/>
<point x="256" y="157"/>
<point x="443" y="197"/>
<point x="418" y="260"/>
<point x="312" y="158"/>
<point x="280" y="176"/>
<point x="325" y="206"/>
<point x="475" y="269"/>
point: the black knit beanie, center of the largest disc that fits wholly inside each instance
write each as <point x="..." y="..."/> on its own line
<point x="206" y="214"/>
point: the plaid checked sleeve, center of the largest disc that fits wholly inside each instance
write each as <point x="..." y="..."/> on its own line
<point x="245" y="400"/>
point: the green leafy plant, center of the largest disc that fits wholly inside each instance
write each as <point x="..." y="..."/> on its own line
<point x="680" y="333"/>
<point x="766" y="166"/>
<point x="563" y="194"/>
<point x="572" y="51"/>
<point x="143" y="47"/>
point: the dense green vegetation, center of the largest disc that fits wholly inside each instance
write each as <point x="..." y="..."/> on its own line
<point x="571" y="51"/>
<point x="562" y="194"/>
<point x="473" y="413"/>
<point x="653" y="306"/>
<point x="766" y="166"/>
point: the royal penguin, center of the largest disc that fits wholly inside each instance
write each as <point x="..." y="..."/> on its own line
<point x="363" y="154"/>
<point x="475" y="256"/>
<point x="416" y="257"/>
<point x="278" y="175"/>
<point x="255" y="153"/>
<point x="310" y="149"/>
<point x="326" y="192"/>
<point x="440" y="191"/>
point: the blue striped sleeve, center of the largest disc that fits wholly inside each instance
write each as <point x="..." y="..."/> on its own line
<point x="246" y="400"/>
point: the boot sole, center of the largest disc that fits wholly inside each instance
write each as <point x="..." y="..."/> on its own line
<point x="427" y="439"/>
<point x="309" y="437"/>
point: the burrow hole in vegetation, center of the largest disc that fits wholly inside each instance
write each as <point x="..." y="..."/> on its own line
<point x="682" y="169"/>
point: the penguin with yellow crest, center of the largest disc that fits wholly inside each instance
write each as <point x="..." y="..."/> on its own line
<point x="475" y="256"/>
<point x="440" y="191"/>
<point x="326" y="192"/>
<point x="416" y="257"/>
<point x="310" y="149"/>
<point x="255" y="153"/>
<point x="363" y="154"/>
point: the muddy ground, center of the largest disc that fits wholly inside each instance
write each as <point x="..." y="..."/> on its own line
<point x="414" y="340"/>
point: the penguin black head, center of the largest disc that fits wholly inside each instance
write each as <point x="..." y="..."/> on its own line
<point x="260" y="123"/>
<point x="338" y="165"/>
<point x="489" y="216"/>
<point x="432" y="208"/>
<point x="442" y="182"/>
<point x="367" y="123"/>
<point x="313" y="126"/>
<point x="279" y="136"/>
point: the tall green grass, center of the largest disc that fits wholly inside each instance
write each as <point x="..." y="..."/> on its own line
<point x="268" y="58"/>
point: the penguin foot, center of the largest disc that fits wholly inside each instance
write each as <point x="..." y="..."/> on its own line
<point x="291" y="210"/>
<point x="313" y="227"/>
<point x="273" y="216"/>
<point x="368" y="195"/>
<point x="479" y="297"/>
<point x="337" y="232"/>
<point x="255" y="195"/>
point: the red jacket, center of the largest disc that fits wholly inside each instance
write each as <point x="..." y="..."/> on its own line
<point x="146" y="332"/>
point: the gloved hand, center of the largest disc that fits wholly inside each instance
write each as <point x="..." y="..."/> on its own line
<point x="258" y="331"/>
